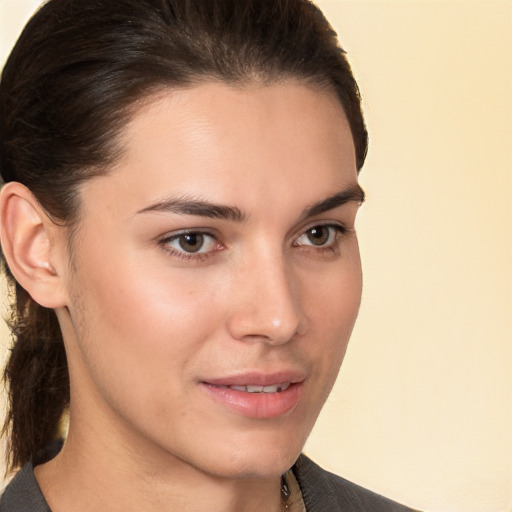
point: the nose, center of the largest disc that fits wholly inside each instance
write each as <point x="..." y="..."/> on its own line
<point x="266" y="303"/>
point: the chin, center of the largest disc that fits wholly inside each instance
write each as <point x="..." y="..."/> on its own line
<point x="260" y="467"/>
<point x="259" y="456"/>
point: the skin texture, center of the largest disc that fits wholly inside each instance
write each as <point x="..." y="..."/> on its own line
<point x="147" y="324"/>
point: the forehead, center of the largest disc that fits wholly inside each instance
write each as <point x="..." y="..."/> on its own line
<point x="232" y="144"/>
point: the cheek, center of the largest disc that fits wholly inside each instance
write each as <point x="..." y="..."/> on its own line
<point x="145" y="299"/>
<point x="333" y="305"/>
<point x="147" y="323"/>
<point x="334" y="297"/>
<point x="149" y="336"/>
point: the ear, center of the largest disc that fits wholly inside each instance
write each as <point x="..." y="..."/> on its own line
<point x="32" y="245"/>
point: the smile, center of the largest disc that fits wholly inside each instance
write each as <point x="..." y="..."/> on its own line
<point x="276" y="388"/>
<point x="256" y="401"/>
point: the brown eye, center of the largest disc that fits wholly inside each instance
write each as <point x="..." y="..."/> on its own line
<point x="318" y="235"/>
<point x="191" y="242"/>
<point x="321" y="236"/>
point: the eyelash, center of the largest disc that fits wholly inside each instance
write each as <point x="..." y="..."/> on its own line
<point x="199" y="256"/>
<point x="336" y="232"/>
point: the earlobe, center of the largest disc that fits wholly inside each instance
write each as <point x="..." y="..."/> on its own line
<point x="27" y="236"/>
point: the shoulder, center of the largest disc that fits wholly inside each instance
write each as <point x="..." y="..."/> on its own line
<point x="23" y="493"/>
<point x="325" y="492"/>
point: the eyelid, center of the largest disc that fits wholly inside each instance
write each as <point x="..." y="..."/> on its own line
<point x="189" y="231"/>
<point x="332" y="245"/>
<point x="340" y="226"/>
<point x="164" y="243"/>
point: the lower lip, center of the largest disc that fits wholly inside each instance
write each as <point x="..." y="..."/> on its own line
<point x="256" y="405"/>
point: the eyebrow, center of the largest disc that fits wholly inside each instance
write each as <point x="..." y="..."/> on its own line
<point x="191" y="206"/>
<point x="353" y="193"/>
<point x="200" y="208"/>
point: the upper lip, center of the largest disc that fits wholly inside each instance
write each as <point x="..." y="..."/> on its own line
<point x="256" y="378"/>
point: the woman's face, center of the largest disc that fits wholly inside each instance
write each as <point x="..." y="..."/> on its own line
<point x="215" y="279"/>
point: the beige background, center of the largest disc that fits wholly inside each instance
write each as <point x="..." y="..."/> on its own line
<point x="422" y="411"/>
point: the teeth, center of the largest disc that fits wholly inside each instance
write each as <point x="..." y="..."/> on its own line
<point x="276" y="388"/>
<point x="238" y="388"/>
<point x="254" y="389"/>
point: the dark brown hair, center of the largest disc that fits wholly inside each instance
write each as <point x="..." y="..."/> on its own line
<point x="69" y="87"/>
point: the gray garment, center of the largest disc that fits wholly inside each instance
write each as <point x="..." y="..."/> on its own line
<point x="23" y="493"/>
<point x="324" y="492"/>
<point x="321" y="491"/>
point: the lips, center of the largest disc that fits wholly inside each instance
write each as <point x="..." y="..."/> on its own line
<point x="257" y="395"/>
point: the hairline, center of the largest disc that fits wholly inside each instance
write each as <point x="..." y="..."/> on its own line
<point x="155" y="92"/>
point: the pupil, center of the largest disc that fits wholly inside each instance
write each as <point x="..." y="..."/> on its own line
<point x="191" y="242"/>
<point x="318" y="235"/>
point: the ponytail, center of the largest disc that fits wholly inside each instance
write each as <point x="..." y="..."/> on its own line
<point x="37" y="379"/>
